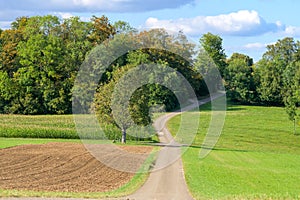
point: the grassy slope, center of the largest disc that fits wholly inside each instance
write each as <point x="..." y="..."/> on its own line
<point x="257" y="156"/>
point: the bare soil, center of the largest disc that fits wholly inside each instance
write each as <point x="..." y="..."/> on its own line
<point x="64" y="167"/>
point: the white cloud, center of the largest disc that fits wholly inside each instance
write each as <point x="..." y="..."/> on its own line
<point x="64" y="15"/>
<point x="234" y="22"/>
<point x="292" y="31"/>
<point x="255" y="46"/>
<point x="242" y="23"/>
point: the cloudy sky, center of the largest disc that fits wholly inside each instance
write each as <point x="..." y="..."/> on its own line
<point x="246" y="26"/>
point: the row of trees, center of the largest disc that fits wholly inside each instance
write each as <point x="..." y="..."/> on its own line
<point x="273" y="80"/>
<point x="40" y="58"/>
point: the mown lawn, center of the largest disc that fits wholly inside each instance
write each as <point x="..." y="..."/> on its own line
<point x="256" y="157"/>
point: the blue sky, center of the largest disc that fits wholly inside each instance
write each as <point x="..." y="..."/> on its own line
<point x="246" y="26"/>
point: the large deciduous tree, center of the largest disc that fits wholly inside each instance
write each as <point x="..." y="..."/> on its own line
<point x="240" y="83"/>
<point x="212" y="44"/>
<point x="41" y="71"/>
<point x="271" y="69"/>
<point x="291" y="91"/>
<point x="112" y="106"/>
<point x="279" y="76"/>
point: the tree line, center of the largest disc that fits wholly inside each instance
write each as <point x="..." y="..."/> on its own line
<point x="40" y="57"/>
<point x="273" y="81"/>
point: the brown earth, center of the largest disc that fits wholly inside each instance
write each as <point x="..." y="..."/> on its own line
<point x="64" y="167"/>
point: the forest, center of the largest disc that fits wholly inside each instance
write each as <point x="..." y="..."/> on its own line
<point x="40" y="57"/>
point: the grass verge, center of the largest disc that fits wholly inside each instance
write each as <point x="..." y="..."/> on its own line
<point x="10" y="142"/>
<point x="256" y="157"/>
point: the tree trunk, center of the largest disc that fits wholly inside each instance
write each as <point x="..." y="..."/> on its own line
<point x="123" y="136"/>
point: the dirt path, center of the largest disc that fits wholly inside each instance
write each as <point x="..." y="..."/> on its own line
<point x="167" y="182"/>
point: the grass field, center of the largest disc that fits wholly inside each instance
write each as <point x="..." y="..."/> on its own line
<point x="256" y="157"/>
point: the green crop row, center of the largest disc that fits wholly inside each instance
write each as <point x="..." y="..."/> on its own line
<point x="61" y="126"/>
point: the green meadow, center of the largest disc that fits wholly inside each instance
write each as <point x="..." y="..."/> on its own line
<point x="256" y="157"/>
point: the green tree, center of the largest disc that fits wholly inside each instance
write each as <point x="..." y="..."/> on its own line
<point x="76" y="46"/>
<point x="212" y="44"/>
<point x="42" y="69"/>
<point x="158" y="94"/>
<point x="123" y="27"/>
<point x="9" y="63"/>
<point x="272" y="67"/>
<point x="112" y="106"/>
<point x="41" y="56"/>
<point x="279" y="76"/>
<point x="42" y="25"/>
<point x="174" y="51"/>
<point x="8" y="92"/>
<point x="240" y="83"/>
<point x="291" y="91"/>
<point x="129" y="112"/>
<point x="155" y="47"/>
<point x="209" y="73"/>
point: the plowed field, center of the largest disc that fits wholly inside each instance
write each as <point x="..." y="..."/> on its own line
<point x="65" y="167"/>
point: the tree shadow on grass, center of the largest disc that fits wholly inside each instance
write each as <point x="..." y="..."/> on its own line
<point x="159" y="144"/>
<point x="219" y="149"/>
<point x="228" y="108"/>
